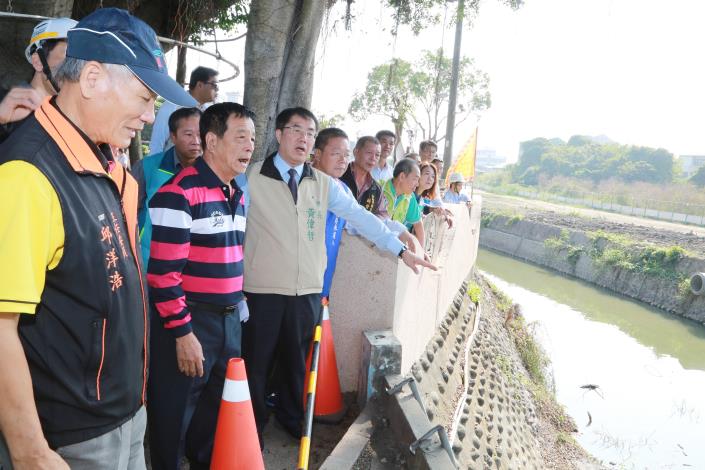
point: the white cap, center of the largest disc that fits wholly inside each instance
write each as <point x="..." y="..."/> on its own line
<point x="55" y="28"/>
<point x="456" y="178"/>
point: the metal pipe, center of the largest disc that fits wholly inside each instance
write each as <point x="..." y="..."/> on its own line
<point x="25" y="17"/>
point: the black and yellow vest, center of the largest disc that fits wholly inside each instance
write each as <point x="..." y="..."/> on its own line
<point x="86" y="344"/>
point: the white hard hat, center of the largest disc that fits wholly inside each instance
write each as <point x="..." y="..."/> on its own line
<point x="456" y="178"/>
<point x="55" y="28"/>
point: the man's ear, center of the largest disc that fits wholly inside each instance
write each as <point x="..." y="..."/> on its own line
<point x="317" y="153"/>
<point x="278" y="135"/>
<point x="211" y="141"/>
<point x="93" y="78"/>
<point x="36" y="63"/>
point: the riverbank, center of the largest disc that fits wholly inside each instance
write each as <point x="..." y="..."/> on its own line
<point x="510" y="396"/>
<point x="627" y="257"/>
<point x="648" y="366"/>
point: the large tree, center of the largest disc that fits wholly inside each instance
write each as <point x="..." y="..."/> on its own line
<point x="281" y="40"/>
<point x="418" y="93"/>
<point x="388" y="93"/>
<point x="183" y="20"/>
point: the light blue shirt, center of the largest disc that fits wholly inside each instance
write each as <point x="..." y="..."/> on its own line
<point x="454" y="198"/>
<point x="380" y="174"/>
<point x="344" y="205"/>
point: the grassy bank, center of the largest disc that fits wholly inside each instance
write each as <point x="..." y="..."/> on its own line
<point x="611" y="250"/>
<point x="538" y="380"/>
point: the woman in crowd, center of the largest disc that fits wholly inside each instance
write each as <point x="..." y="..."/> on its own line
<point x="427" y="194"/>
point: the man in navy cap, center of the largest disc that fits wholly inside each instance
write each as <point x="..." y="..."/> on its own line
<point x="73" y="307"/>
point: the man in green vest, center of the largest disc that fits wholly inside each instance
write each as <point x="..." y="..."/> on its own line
<point x="153" y="171"/>
<point x="285" y="259"/>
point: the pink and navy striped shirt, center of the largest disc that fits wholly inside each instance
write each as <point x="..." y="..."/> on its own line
<point x="196" y="250"/>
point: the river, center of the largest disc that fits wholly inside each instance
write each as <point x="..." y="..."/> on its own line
<point x="649" y="409"/>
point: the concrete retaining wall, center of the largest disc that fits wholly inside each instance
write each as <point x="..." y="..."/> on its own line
<point x="525" y="240"/>
<point x="375" y="291"/>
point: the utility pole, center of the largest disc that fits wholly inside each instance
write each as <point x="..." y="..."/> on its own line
<point x="453" y="96"/>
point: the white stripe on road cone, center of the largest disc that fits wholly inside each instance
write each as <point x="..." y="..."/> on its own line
<point x="236" y="391"/>
<point x="325" y="313"/>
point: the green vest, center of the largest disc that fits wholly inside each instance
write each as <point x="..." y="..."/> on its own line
<point x="158" y="169"/>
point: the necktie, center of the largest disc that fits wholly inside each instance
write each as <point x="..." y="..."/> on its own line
<point x="293" y="184"/>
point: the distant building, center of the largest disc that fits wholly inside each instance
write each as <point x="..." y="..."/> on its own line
<point x="233" y="96"/>
<point x="691" y="163"/>
<point x="488" y="161"/>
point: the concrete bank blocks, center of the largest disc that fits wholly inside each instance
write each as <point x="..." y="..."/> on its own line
<point x="497" y="419"/>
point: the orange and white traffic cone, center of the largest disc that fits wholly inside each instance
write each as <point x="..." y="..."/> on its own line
<point x="329" y="407"/>
<point x="236" y="442"/>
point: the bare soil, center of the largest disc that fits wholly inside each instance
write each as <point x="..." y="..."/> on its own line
<point x="657" y="232"/>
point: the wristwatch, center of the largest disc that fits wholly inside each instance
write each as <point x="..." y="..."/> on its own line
<point x="403" y="249"/>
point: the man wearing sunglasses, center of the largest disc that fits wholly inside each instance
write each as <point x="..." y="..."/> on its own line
<point x="203" y="87"/>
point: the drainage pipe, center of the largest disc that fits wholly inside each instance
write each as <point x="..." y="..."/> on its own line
<point x="697" y="283"/>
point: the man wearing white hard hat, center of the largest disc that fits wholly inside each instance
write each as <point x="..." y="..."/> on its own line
<point x="453" y="195"/>
<point x="45" y="52"/>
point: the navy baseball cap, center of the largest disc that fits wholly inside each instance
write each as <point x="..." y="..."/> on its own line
<point x="114" y="36"/>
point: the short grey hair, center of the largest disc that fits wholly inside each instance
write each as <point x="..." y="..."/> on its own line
<point x="70" y="70"/>
<point x="406" y="166"/>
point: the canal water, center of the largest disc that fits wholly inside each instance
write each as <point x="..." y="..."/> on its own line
<point x="649" y="409"/>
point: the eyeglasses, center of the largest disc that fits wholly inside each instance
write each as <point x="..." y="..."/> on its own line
<point x="212" y="84"/>
<point x="299" y="131"/>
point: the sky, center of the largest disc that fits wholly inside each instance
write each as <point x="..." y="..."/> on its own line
<point x="632" y="70"/>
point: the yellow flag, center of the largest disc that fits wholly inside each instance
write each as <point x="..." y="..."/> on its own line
<point x="465" y="162"/>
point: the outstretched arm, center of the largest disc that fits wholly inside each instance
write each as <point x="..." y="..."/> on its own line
<point x="370" y="227"/>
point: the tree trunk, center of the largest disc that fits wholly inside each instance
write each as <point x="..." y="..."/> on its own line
<point x="16" y="33"/>
<point x="279" y="54"/>
<point x="181" y="65"/>
<point x="135" y="149"/>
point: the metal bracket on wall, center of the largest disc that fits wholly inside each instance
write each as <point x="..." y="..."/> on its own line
<point x="414" y="390"/>
<point x="444" y="442"/>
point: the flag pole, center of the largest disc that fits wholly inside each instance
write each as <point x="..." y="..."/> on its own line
<point x="474" y="168"/>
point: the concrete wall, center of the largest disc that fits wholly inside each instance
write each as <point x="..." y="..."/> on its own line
<point x="376" y="291"/>
<point x="525" y="240"/>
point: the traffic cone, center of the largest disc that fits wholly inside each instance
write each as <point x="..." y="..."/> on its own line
<point x="329" y="407"/>
<point x="236" y="442"/>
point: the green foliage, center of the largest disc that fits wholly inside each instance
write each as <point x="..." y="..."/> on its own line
<point x="562" y="244"/>
<point x="586" y="158"/>
<point x="503" y="301"/>
<point x="511" y="218"/>
<point x="487" y="218"/>
<point x="530" y="351"/>
<point x="621" y="252"/>
<point x="418" y="92"/>
<point x="419" y="14"/>
<point x="684" y="291"/>
<point x="325" y="121"/>
<point x="227" y="18"/>
<point x="474" y="292"/>
<point x="388" y="92"/>
<point x="698" y="178"/>
<point x="514" y="219"/>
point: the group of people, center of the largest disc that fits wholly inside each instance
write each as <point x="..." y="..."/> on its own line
<point x="123" y="294"/>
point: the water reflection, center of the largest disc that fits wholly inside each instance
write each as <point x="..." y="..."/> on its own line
<point x="667" y="334"/>
<point x="650" y="412"/>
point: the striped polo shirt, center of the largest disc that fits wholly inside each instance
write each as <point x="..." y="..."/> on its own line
<point x="196" y="250"/>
